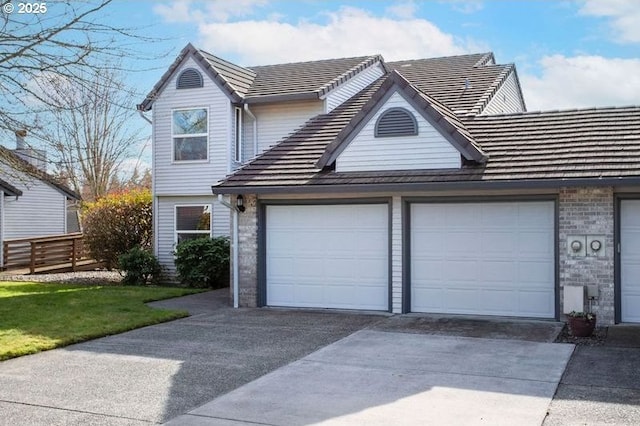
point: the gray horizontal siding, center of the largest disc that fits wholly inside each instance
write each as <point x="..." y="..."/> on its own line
<point x="190" y="178"/>
<point x="165" y="238"/>
<point x="275" y="121"/>
<point x="428" y="150"/>
<point x="354" y="85"/>
<point x="506" y="100"/>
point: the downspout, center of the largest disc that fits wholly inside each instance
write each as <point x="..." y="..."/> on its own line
<point x="234" y="244"/>
<point x="255" y="129"/>
<point x="144" y="117"/>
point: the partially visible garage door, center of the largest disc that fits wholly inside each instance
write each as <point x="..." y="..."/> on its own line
<point x="328" y="256"/>
<point x="630" y="260"/>
<point x="490" y="258"/>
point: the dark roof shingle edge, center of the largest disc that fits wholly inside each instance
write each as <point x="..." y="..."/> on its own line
<point x="25" y="167"/>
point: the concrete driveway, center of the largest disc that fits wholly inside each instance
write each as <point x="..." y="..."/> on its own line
<point x="404" y="368"/>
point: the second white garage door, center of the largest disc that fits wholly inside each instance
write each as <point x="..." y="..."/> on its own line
<point x="483" y="258"/>
<point x="328" y="256"/>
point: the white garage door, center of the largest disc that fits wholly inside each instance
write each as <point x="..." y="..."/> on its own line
<point x="483" y="258"/>
<point x="328" y="256"/>
<point x="630" y="260"/>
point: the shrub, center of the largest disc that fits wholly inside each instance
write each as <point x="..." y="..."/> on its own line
<point x="117" y="223"/>
<point x="203" y="262"/>
<point x="140" y="266"/>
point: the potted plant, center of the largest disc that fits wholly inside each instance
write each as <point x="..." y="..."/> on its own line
<point x="581" y="324"/>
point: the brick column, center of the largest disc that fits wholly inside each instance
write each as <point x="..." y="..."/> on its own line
<point x="588" y="211"/>
<point x="248" y="253"/>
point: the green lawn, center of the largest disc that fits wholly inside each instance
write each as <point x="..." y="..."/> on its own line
<point x="36" y="317"/>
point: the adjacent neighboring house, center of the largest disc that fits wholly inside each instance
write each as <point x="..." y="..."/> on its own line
<point x="412" y="186"/>
<point x="32" y="202"/>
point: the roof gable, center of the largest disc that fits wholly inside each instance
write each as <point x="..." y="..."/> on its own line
<point x="20" y="165"/>
<point x="410" y="142"/>
<point x="232" y="79"/>
<point x="439" y="116"/>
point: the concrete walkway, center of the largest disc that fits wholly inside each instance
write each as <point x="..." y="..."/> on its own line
<point x="601" y="385"/>
<point x="382" y="378"/>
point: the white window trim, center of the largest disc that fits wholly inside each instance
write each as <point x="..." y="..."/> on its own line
<point x="238" y="134"/>
<point x="182" y="135"/>
<point x="175" y="221"/>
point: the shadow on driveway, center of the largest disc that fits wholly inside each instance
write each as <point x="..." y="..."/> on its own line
<point x="156" y="373"/>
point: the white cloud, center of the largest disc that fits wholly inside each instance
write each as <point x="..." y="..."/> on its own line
<point x="346" y="32"/>
<point x="582" y="81"/>
<point x="466" y="6"/>
<point x="406" y="10"/>
<point x="214" y="10"/>
<point x="624" y="15"/>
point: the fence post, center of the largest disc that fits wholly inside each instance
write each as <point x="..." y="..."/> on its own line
<point x="32" y="263"/>
<point x="73" y="254"/>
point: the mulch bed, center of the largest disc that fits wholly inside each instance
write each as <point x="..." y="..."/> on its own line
<point x="597" y="339"/>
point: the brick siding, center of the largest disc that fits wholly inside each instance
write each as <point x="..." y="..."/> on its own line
<point x="588" y="211"/>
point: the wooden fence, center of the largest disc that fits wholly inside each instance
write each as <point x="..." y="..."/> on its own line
<point x="47" y="254"/>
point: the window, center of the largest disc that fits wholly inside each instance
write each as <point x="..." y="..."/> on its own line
<point x="192" y="222"/>
<point x="396" y="122"/>
<point x="189" y="79"/>
<point x="190" y="134"/>
<point x="238" y="134"/>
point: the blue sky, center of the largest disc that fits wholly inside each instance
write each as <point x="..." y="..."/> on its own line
<point x="568" y="54"/>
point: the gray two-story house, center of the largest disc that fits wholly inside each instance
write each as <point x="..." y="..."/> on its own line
<point x="411" y="186"/>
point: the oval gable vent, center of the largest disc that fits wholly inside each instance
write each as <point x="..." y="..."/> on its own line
<point x="189" y="79"/>
<point x="396" y="122"/>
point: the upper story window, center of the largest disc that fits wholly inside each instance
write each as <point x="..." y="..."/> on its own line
<point x="190" y="134"/>
<point x="396" y="122"/>
<point x="189" y="79"/>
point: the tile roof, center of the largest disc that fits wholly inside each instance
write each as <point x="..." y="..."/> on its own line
<point x="238" y="78"/>
<point x="589" y="145"/>
<point x="14" y="161"/>
<point x="463" y="83"/>
<point x="313" y="78"/>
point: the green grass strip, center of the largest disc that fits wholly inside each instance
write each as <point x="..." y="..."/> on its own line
<point x="41" y="316"/>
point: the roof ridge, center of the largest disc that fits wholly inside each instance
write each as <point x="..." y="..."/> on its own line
<point x="226" y="61"/>
<point x="556" y="111"/>
<point x="371" y="60"/>
<point x="486" y="97"/>
<point x="364" y="57"/>
<point x="443" y="57"/>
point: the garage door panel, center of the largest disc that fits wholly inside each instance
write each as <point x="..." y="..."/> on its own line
<point x="500" y="263"/>
<point x="531" y="302"/>
<point x="535" y="243"/>
<point x="327" y="256"/>
<point x="498" y="271"/>
<point x="536" y="273"/>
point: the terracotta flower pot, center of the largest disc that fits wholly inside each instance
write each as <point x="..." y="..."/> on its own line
<point x="581" y="327"/>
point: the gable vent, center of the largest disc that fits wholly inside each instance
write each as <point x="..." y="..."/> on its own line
<point x="189" y="79"/>
<point x="396" y="122"/>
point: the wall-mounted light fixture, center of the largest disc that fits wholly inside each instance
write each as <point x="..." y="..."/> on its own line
<point x="240" y="203"/>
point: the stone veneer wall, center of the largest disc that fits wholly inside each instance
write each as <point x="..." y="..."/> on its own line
<point x="248" y="254"/>
<point x="588" y="211"/>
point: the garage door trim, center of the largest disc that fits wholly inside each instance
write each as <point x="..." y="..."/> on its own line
<point x="406" y="236"/>
<point x="262" y="235"/>
<point x="617" y="262"/>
